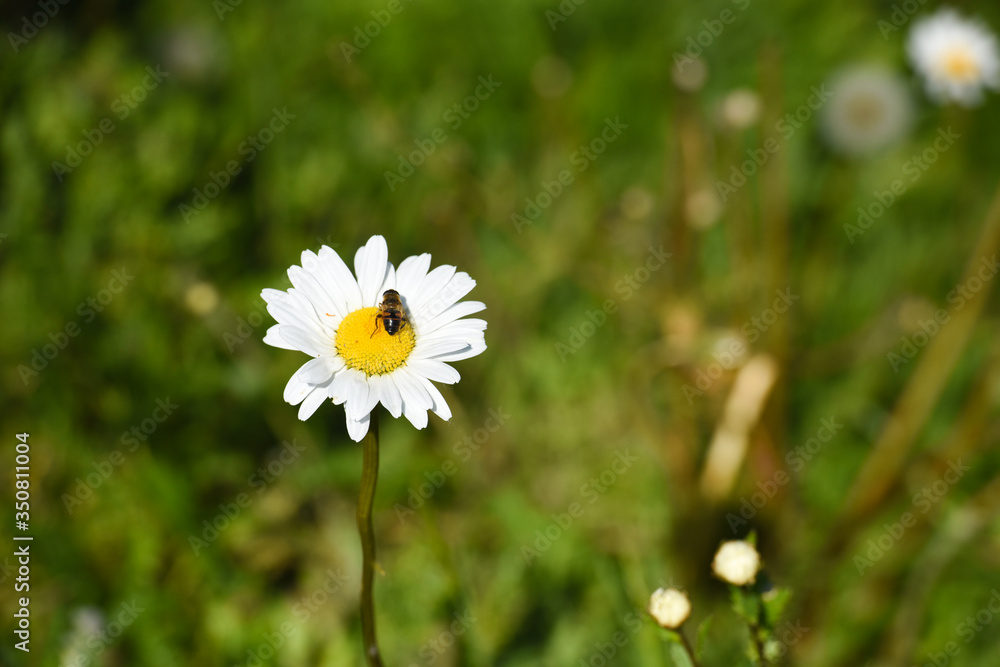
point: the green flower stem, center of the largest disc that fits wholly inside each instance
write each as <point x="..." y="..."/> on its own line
<point x="758" y="645"/>
<point x="687" y="647"/>
<point x="366" y="497"/>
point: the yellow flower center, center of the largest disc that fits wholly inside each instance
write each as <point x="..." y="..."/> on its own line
<point x="371" y="351"/>
<point x="959" y="64"/>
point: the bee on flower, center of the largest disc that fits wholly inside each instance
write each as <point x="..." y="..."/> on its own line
<point x="382" y="337"/>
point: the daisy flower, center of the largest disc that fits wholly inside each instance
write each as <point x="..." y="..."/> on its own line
<point x="334" y="318"/>
<point x="669" y="607"/>
<point x="957" y="57"/>
<point x="870" y="110"/>
<point x="737" y="562"/>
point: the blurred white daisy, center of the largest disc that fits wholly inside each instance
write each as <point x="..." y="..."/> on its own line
<point x="957" y="57"/>
<point x="870" y="110"/>
<point x="669" y="607"/>
<point x="740" y="109"/>
<point x="332" y="316"/>
<point x="737" y="562"/>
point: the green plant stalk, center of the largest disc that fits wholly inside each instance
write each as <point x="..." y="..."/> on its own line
<point x="883" y="466"/>
<point x="687" y="647"/>
<point x="366" y="498"/>
<point x="758" y="645"/>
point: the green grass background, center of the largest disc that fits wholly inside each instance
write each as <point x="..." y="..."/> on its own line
<point x="321" y="181"/>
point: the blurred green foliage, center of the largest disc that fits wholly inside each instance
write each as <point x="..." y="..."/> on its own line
<point x="187" y="329"/>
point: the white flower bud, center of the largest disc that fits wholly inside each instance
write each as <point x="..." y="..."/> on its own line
<point x="736" y="562"/>
<point x="669" y="607"/>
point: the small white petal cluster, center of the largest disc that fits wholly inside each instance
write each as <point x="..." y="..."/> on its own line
<point x="669" y="607"/>
<point x="957" y="57"/>
<point x="736" y="562"/>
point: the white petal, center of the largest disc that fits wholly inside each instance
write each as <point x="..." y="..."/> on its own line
<point x="438" y="348"/>
<point x="358" y="429"/>
<point x="285" y="312"/>
<point x="429" y="288"/>
<point x="371" y="400"/>
<point x="312" y="403"/>
<point x="411" y="274"/>
<point x="460" y="285"/>
<point x="370" y="263"/>
<point x="353" y="386"/>
<point x="432" y="369"/>
<point x="334" y="389"/>
<point x="467" y="330"/>
<point x="478" y="347"/>
<point x="455" y="312"/>
<point x="440" y="408"/>
<point x="270" y="295"/>
<point x="415" y="415"/>
<point x="340" y="388"/>
<point x="316" y="371"/>
<point x="300" y="312"/>
<point x="296" y="390"/>
<point x="339" y="280"/>
<point x="389" y="282"/>
<point x="460" y="337"/>
<point x="317" y="268"/>
<point x="416" y="400"/>
<point x="337" y="364"/>
<point x="274" y="339"/>
<point x="388" y="394"/>
<point x="320" y="299"/>
<point x="299" y="338"/>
